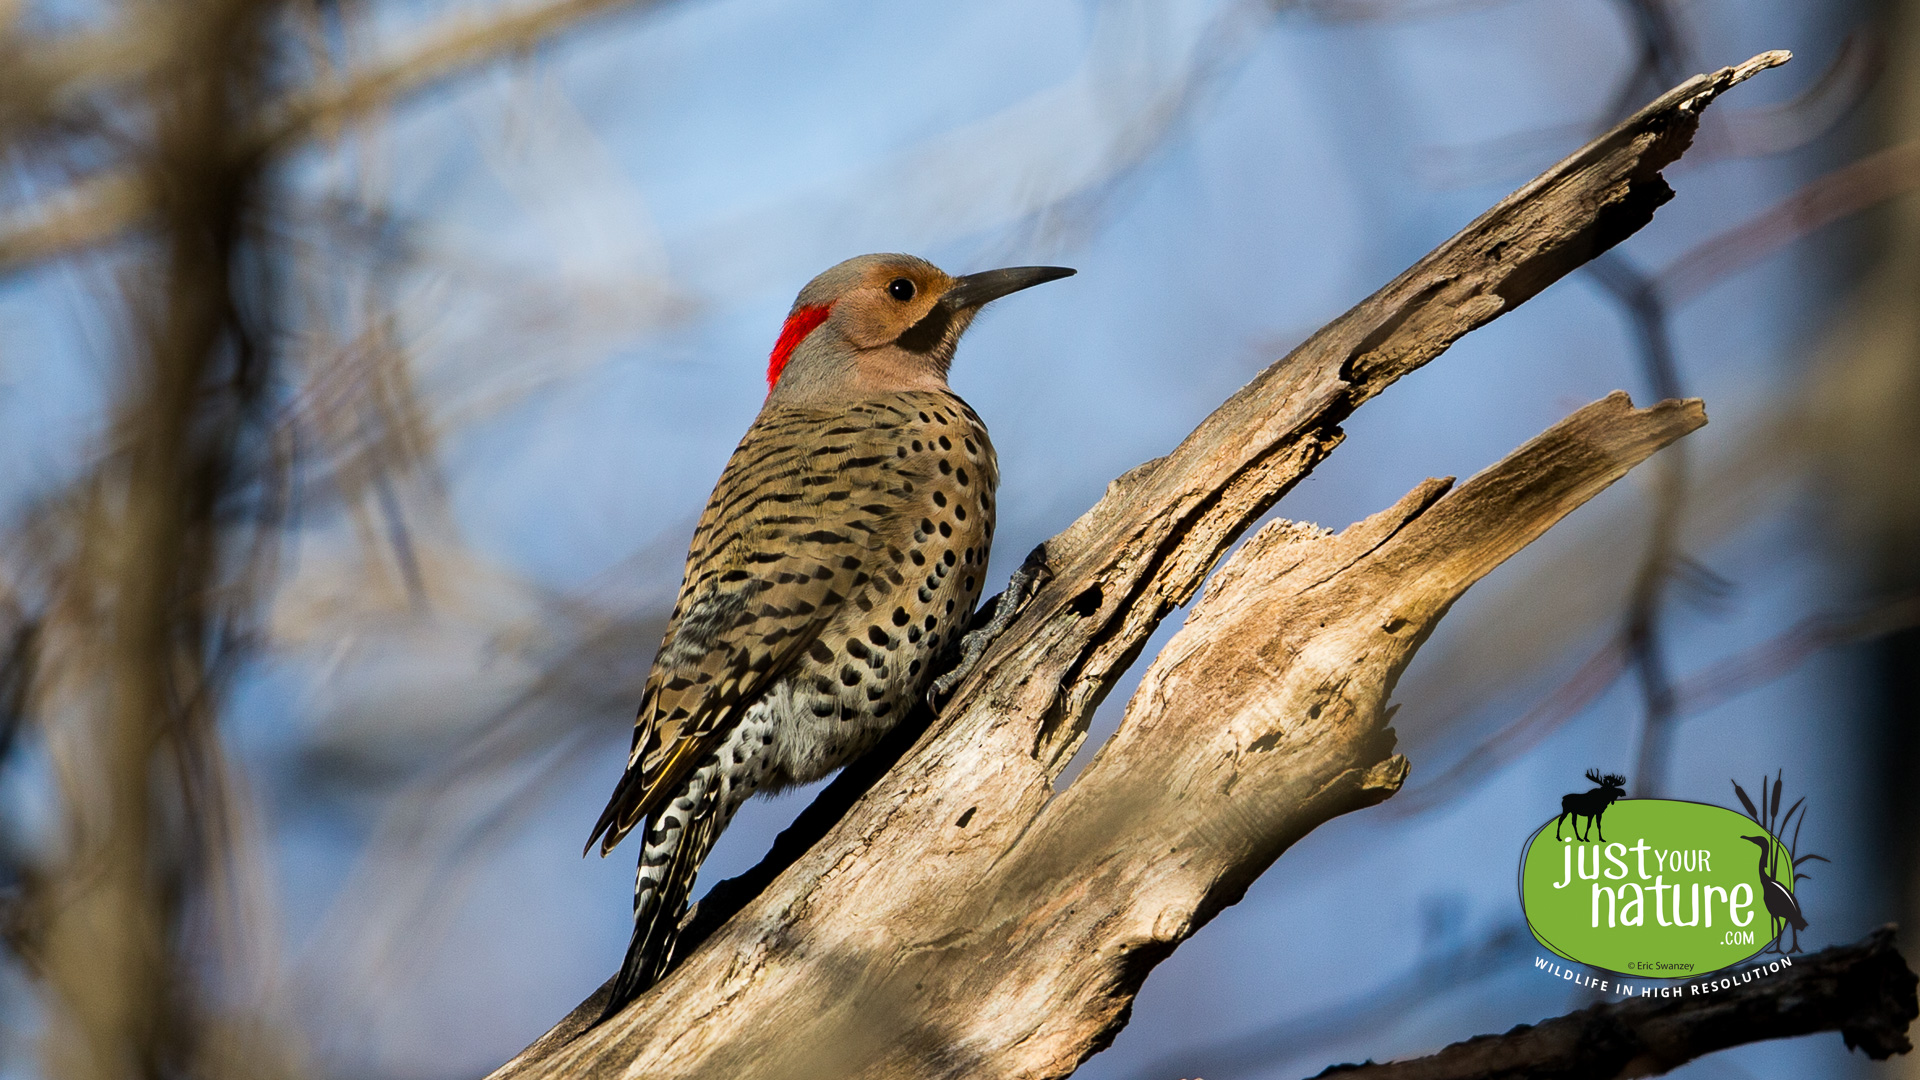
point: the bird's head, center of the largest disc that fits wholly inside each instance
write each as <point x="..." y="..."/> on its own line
<point x="881" y="323"/>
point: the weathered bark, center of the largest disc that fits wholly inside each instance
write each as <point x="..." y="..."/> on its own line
<point x="1864" y="991"/>
<point x="961" y="919"/>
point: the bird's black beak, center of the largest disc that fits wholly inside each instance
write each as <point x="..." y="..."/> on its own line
<point x="976" y="289"/>
<point x="966" y="295"/>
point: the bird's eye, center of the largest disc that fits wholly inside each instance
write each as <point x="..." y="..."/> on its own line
<point x="901" y="289"/>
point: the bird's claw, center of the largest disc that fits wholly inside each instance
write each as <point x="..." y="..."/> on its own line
<point x="1007" y="606"/>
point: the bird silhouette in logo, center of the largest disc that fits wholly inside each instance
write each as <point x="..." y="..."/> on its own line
<point x="1779" y="899"/>
<point x="1776" y="838"/>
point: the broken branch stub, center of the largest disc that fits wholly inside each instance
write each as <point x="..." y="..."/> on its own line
<point x="961" y="920"/>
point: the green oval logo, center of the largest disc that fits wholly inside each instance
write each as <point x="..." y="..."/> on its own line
<point x="1675" y="889"/>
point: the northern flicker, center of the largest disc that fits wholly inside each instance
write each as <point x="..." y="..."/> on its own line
<point x="837" y="562"/>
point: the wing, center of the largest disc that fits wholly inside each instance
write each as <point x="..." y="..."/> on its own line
<point x="793" y="528"/>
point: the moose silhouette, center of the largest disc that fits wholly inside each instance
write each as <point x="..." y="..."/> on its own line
<point x="1590" y="804"/>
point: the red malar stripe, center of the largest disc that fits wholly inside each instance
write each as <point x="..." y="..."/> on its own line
<point x="802" y="322"/>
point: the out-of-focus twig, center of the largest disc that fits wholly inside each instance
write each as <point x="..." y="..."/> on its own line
<point x="1567" y="701"/>
<point x="1841" y="193"/>
<point x="1705" y="689"/>
<point x="1636" y="295"/>
<point x="1753" y="132"/>
<point x="102" y="206"/>
<point x="1841" y="88"/>
<point x="458" y="44"/>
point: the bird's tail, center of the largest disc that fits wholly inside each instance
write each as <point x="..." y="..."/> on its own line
<point x="677" y="839"/>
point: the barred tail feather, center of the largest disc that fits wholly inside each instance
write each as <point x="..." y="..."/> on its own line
<point x="678" y="838"/>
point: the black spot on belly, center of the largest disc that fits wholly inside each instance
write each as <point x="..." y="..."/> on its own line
<point x="945" y="443"/>
<point x="946" y="529"/>
<point x="918" y="558"/>
<point x="961" y="475"/>
<point x="856" y="648"/>
<point x="947" y="556"/>
<point x="883" y="708"/>
<point x="900" y="617"/>
<point x="850" y="675"/>
<point x="940" y="499"/>
<point x="879" y="637"/>
<point x="875" y="693"/>
<point x="946" y="466"/>
<point x="820" y="651"/>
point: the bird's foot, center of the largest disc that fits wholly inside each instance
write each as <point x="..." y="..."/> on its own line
<point x="999" y="614"/>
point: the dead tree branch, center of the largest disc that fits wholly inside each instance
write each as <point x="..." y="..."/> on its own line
<point x="962" y="918"/>
<point x="1865" y="991"/>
